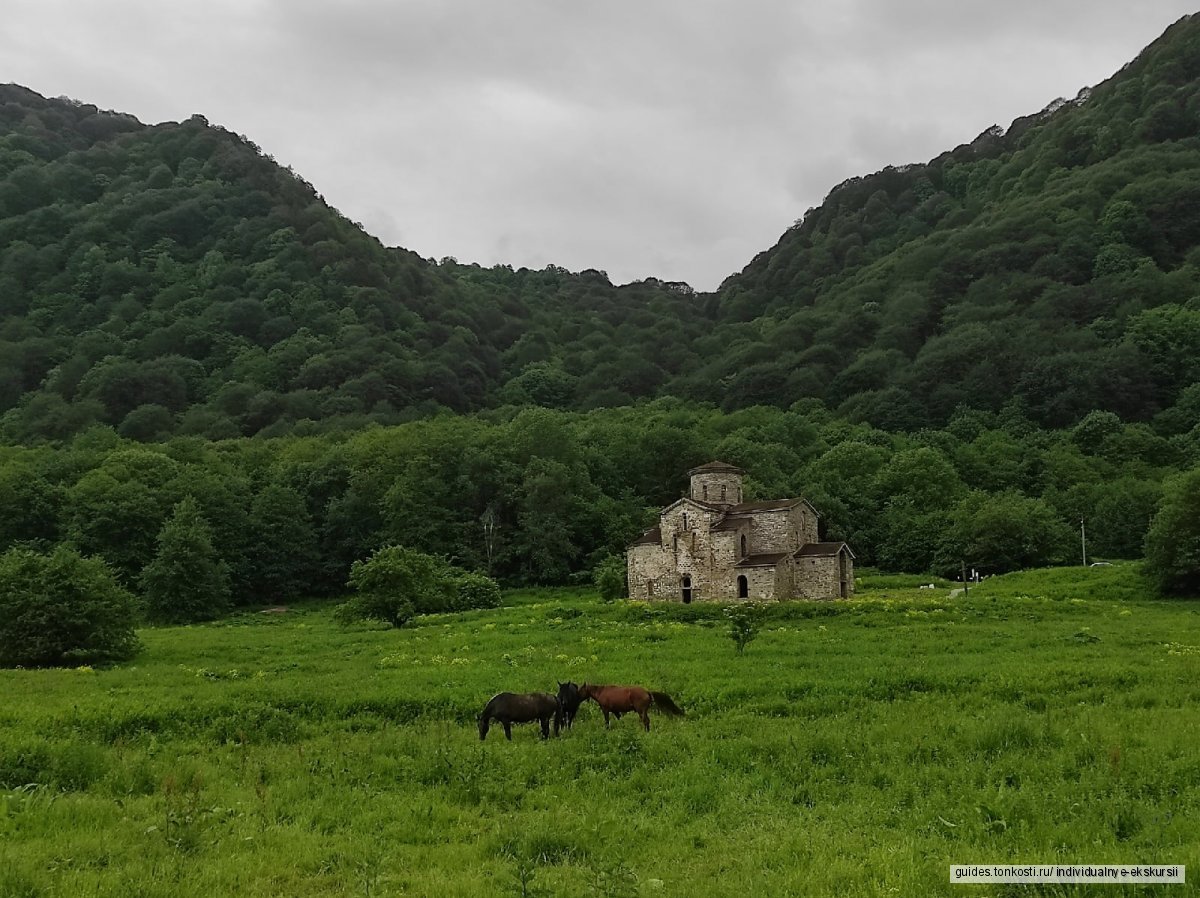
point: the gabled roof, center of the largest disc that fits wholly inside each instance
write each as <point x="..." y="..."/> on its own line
<point x="706" y="506"/>
<point x="651" y="537"/>
<point x="769" y="559"/>
<point x="768" y="505"/>
<point x="745" y="508"/>
<point x="822" y="549"/>
<point x="716" y="467"/>
<point x="730" y="523"/>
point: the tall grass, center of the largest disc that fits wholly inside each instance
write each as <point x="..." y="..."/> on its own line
<point x="857" y="748"/>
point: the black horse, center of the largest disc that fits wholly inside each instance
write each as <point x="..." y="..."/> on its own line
<point x="510" y="707"/>
<point x="569" y="701"/>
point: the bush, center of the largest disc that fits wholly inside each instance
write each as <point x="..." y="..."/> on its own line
<point x="743" y="625"/>
<point x="609" y="577"/>
<point x="62" y="609"/>
<point x="475" y="591"/>
<point x="395" y="583"/>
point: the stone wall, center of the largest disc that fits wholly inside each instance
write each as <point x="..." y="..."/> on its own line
<point x="719" y="488"/>
<point x="692" y="546"/>
<point x="820" y="576"/>
<point x="726" y="553"/>
<point x="651" y="572"/>
<point x="805" y="521"/>
<point x="772" y="531"/>
<point x="785" y="579"/>
<point x="760" y="581"/>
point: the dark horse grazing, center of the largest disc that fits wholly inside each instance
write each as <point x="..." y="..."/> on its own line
<point x="509" y="708"/>
<point x="620" y="699"/>
<point x="569" y="701"/>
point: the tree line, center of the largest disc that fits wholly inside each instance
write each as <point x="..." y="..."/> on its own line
<point x="532" y="495"/>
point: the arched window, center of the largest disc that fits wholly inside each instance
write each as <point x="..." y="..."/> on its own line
<point x="704" y="488"/>
<point x="743" y="587"/>
<point x="685" y="527"/>
<point x="685" y="585"/>
<point x="723" y="488"/>
<point x="743" y="545"/>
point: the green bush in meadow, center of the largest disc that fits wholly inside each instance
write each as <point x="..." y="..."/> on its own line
<point x="62" y="608"/>
<point x="396" y="583"/>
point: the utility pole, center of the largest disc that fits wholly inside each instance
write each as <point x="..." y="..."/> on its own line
<point x="1083" y="541"/>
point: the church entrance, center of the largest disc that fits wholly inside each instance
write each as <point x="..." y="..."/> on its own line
<point x="685" y="583"/>
<point x="743" y="587"/>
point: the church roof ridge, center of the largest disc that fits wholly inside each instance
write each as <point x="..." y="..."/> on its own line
<point x="823" y="549"/>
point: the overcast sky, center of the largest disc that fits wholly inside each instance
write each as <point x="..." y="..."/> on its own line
<point x="668" y="139"/>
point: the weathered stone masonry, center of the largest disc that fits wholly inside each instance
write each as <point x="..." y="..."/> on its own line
<point x="713" y="546"/>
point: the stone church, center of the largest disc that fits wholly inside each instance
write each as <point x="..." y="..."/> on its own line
<point x="712" y="546"/>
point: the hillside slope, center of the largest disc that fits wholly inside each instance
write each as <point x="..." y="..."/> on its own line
<point x="172" y="279"/>
<point x="1056" y="262"/>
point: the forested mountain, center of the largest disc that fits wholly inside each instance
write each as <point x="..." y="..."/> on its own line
<point x="1056" y="262"/>
<point x="955" y="361"/>
<point x="171" y="279"/>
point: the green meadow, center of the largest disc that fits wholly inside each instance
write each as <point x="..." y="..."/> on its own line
<point x="856" y="748"/>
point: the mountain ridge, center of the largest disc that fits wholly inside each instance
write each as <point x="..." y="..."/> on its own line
<point x="171" y="278"/>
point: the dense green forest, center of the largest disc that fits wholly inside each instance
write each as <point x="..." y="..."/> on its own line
<point x="171" y="279"/>
<point x="541" y="496"/>
<point x="954" y="361"/>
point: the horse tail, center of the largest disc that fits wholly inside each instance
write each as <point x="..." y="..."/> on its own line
<point x="662" y="700"/>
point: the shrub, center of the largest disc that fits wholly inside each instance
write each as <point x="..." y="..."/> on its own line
<point x="475" y="591"/>
<point x="62" y="608"/>
<point x="743" y="626"/>
<point x="609" y="577"/>
<point x="396" y="582"/>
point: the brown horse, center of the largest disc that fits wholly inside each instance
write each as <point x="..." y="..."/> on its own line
<point x="621" y="699"/>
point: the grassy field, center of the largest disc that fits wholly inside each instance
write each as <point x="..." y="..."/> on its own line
<point x="856" y="748"/>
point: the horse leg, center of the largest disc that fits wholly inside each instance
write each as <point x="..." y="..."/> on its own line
<point x="645" y="715"/>
<point x="507" y="729"/>
<point x="606" y="717"/>
<point x="545" y="722"/>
